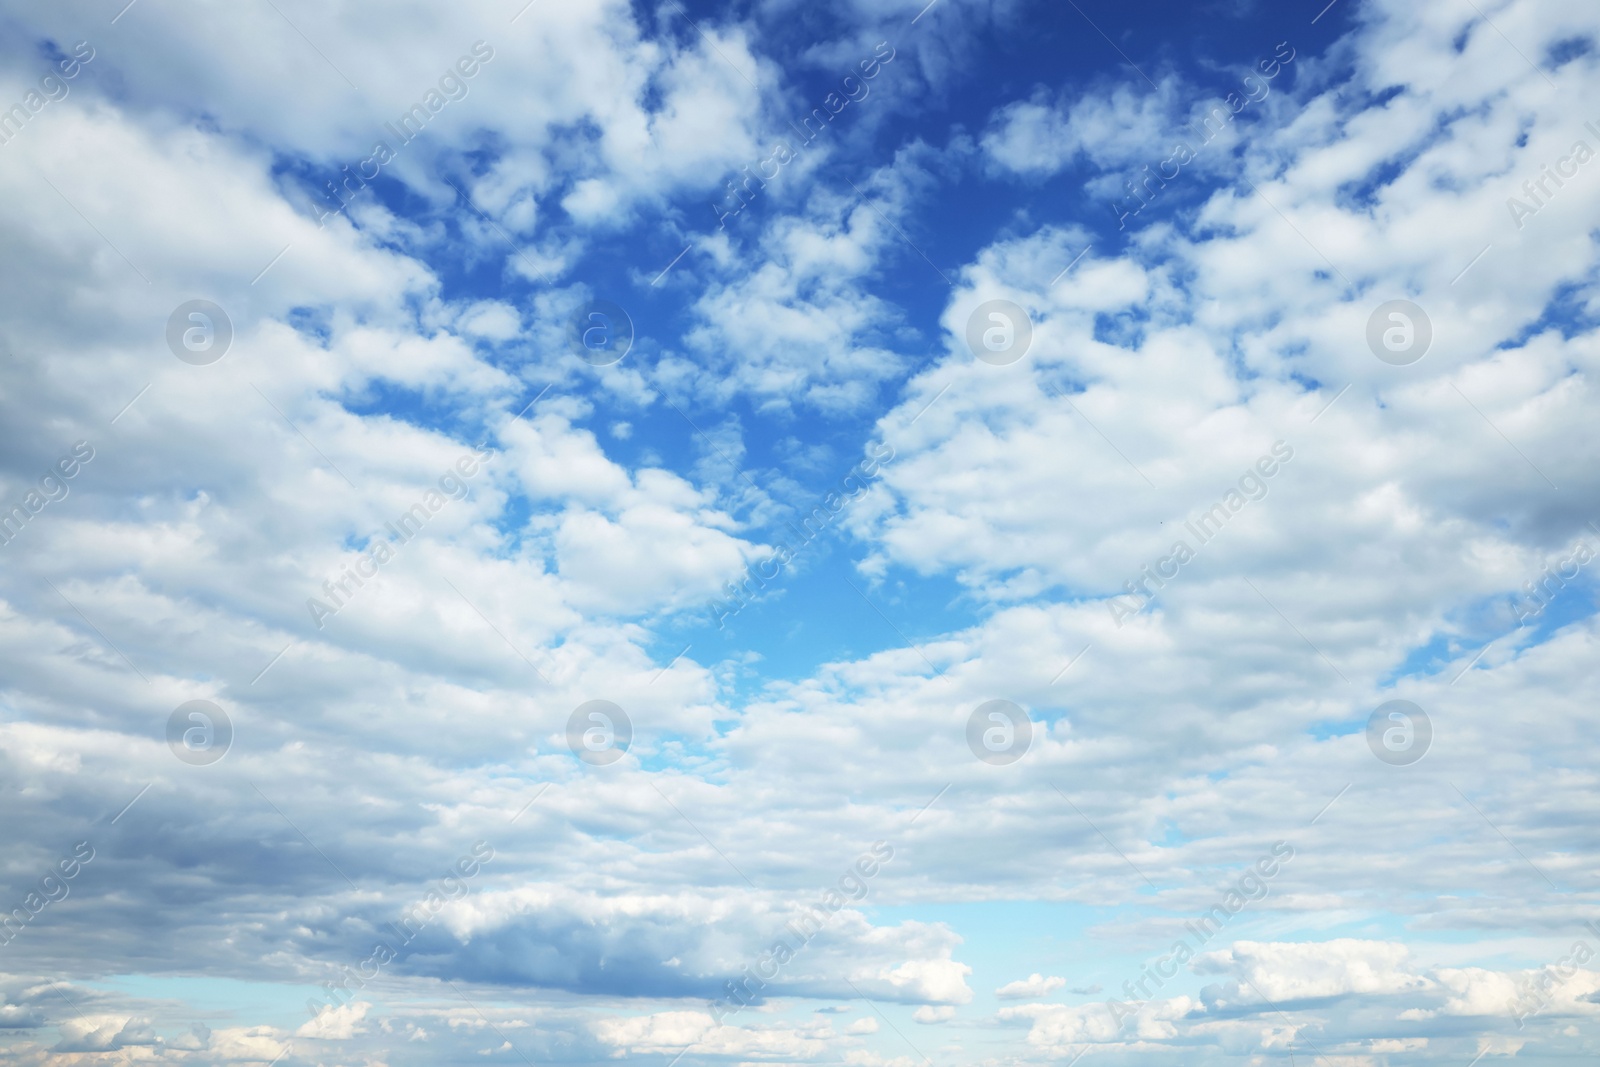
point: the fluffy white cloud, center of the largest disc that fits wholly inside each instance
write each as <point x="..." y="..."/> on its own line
<point x="1311" y="971"/>
<point x="1035" y="985"/>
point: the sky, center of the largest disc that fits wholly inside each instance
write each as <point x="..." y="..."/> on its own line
<point x="903" y="534"/>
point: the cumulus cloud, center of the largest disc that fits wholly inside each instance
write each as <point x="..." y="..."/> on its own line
<point x="1335" y="968"/>
<point x="1035" y="985"/>
<point x="337" y="1024"/>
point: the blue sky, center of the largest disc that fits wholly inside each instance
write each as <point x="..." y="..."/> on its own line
<point x="1320" y="276"/>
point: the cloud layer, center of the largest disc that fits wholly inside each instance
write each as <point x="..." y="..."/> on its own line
<point x="401" y="527"/>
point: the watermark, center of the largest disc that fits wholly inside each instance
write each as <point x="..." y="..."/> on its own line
<point x="402" y="530"/>
<point x="199" y="332"/>
<point x="1539" y="594"/>
<point x="999" y="332"/>
<point x="413" y="920"/>
<point x="1399" y="733"/>
<point x="855" y="90"/>
<point x="1399" y="332"/>
<point x="999" y="732"/>
<point x="1249" y="888"/>
<point x="52" y="487"/>
<point x="1535" y="993"/>
<point x="602" y="333"/>
<point x="199" y="733"/>
<point x="852" y="886"/>
<point x="599" y="732"/>
<point x="1252" y="486"/>
<point x="740" y="594"/>
<point x="52" y="87"/>
<point x="51" y="888"/>
<point x="1144" y="191"/>
<point x="452" y="88"/>
<point x="1538" y="190"/>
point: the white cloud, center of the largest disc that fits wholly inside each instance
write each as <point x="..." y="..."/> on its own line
<point x="1310" y="971"/>
<point x="1035" y="985"/>
<point x="337" y="1024"/>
